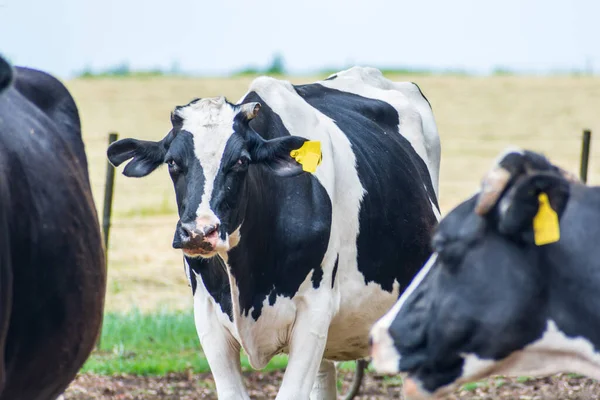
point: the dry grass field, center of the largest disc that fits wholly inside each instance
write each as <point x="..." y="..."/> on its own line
<point x="477" y="117"/>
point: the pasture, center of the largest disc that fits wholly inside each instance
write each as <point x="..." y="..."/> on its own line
<point x="477" y="117"/>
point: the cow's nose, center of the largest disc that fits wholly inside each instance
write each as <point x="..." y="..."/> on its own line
<point x="197" y="239"/>
<point x="189" y="233"/>
<point x="210" y="230"/>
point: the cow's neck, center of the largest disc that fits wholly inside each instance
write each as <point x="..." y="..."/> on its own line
<point x="277" y="250"/>
<point x="574" y="301"/>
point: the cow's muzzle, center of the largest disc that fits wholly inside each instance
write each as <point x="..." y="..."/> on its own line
<point x="196" y="240"/>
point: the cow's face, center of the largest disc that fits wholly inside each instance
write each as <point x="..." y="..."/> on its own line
<point x="481" y="295"/>
<point x="209" y="153"/>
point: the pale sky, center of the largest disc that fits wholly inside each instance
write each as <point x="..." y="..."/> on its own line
<point x="220" y="36"/>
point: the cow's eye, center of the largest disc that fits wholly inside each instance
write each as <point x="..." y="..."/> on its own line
<point x="172" y="164"/>
<point x="242" y="162"/>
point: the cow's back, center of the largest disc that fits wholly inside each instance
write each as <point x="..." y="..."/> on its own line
<point x="397" y="210"/>
<point x="53" y="99"/>
<point x="56" y="253"/>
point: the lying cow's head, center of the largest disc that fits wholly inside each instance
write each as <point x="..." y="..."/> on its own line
<point x="209" y="152"/>
<point x="478" y="298"/>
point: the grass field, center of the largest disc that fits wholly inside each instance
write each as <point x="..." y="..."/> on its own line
<point x="477" y="117"/>
<point x="154" y="344"/>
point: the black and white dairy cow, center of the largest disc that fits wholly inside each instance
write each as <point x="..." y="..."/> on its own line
<point x="284" y="260"/>
<point x="512" y="287"/>
<point x="52" y="271"/>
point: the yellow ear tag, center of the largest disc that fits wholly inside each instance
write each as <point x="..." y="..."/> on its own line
<point x="545" y="223"/>
<point x="309" y="155"/>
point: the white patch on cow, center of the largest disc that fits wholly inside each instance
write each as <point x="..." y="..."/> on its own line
<point x="553" y="353"/>
<point x="188" y="271"/>
<point x="235" y="237"/>
<point x="434" y="208"/>
<point x="436" y="212"/>
<point x="416" y="120"/>
<point x="325" y="384"/>
<point x="383" y="352"/>
<point x="210" y="123"/>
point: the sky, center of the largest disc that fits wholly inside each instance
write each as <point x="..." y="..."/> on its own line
<point x="218" y="37"/>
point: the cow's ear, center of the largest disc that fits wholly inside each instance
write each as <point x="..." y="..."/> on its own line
<point x="146" y="156"/>
<point x="531" y="209"/>
<point x="287" y="156"/>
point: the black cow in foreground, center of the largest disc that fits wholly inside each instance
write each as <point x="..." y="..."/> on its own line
<point x="304" y="212"/>
<point x="52" y="271"/>
<point x="513" y="286"/>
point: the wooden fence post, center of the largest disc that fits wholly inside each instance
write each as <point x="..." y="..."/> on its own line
<point x="585" y="155"/>
<point x="108" y="197"/>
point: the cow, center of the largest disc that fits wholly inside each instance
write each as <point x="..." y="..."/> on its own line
<point x="303" y="211"/>
<point x="52" y="269"/>
<point x="510" y="289"/>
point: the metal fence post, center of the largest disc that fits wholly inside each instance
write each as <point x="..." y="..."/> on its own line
<point x="585" y="155"/>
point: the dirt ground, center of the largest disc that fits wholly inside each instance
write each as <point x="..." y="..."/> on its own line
<point x="264" y="386"/>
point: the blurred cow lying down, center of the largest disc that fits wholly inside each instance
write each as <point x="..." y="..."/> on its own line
<point x="512" y="287"/>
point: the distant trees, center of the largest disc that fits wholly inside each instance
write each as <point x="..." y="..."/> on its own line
<point x="277" y="66"/>
<point x="123" y="70"/>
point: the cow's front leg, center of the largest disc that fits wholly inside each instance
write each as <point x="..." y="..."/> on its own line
<point x="220" y="347"/>
<point x="306" y="348"/>
<point x="325" y="387"/>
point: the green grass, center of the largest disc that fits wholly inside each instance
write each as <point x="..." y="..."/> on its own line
<point x="165" y="207"/>
<point x="472" y="386"/>
<point x="154" y="344"/>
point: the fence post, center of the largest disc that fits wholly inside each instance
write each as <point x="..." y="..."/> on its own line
<point x="108" y="193"/>
<point x="585" y="155"/>
<point x="108" y="197"/>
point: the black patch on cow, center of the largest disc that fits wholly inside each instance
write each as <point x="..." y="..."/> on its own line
<point x="396" y="218"/>
<point x="422" y="95"/>
<point x="193" y="281"/>
<point x="188" y="191"/>
<point x="272" y="297"/>
<point x="52" y="267"/>
<point x="215" y="279"/>
<point x="52" y="98"/>
<point x="286" y="226"/>
<point x="335" y="267"/>
<point x="317" y="276"/>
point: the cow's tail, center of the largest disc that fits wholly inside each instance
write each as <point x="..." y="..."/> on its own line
<point x="361" y="365"/>
<point x="5" y="276"/>
<point x="6" y="74"/>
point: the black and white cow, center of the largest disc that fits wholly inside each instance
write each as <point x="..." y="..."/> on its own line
<point x="511" y="289"/>
<point x="52" y="271"/>
<point x="282" y="260"/>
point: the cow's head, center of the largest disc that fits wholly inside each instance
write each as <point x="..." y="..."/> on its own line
<point x="209" y="152"/>
<point x="479" y="297"/>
